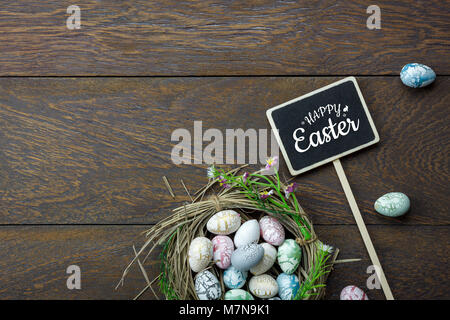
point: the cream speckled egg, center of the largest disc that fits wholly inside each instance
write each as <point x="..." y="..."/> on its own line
<point x="224" y="222"/>
<point x="247" y="233"/>
<point x="271" y="230"/>
<point x="200" y="253"/>
<point x="223" y="247"/>
<point x="263" y="286"/>
<point x="270" y="255"/>
<point x="207" y="286"/>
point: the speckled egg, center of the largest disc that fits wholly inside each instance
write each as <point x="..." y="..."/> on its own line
<point x="247" y="233"/>
<point x="246" y="257"/>
<point x="207" y="286"/>
<point x="353" y="293"/>
<point x="288" y="286"/>
<point x="223" y="247"/>
<point x="271" y="230"/>
<point x="417" y="75"/>
<point x="263" y="286"/>
<point x="200" y="253"/>
<point x="234" y="278"/>
<point x="224" y="222"/>
<point x="289" y="256"/>
<point x="270" y="255"/>
<point x="238" y="294"/>
<point x="393" y="204"/>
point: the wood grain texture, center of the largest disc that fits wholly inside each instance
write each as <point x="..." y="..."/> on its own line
<point x="219" y="37"/>
<point x="94" y="150"/>
<point x="34" y="260"/>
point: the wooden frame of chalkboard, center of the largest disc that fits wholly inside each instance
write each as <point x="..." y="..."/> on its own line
<point x="370" y="127"/>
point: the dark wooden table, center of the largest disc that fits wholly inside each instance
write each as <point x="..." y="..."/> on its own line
<point x="86" y="118"/>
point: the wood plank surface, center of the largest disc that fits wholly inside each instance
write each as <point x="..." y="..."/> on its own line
<point x="35" y="259"/>
<point x="219" y="37"/>
<point x="94" y="150"/>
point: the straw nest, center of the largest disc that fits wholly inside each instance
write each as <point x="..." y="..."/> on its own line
<point x="173" y="235"/>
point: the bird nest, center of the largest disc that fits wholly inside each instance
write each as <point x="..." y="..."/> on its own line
<point x="251" y="195"/>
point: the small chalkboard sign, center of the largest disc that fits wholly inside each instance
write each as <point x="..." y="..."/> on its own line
<point x="322" y="126"/>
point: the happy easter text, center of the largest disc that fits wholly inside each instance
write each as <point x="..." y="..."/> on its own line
<point x="330" y="132"/>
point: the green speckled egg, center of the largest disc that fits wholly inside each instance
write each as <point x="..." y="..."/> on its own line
<point x="238" y="294"/>
<point x="289" y="256"/>
<point x="393" y="204"/>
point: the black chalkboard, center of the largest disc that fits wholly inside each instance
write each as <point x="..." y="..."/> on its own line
<point x="323" y="125"/>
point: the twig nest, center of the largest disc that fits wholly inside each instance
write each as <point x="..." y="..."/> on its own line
<point x="263" y="286"/>
<point x="288" y="286"/>
<point x="207" y="286"/>
<point x="223" y="247"/>
<point x="353" y="293"/>
<point x="289" y="256"/>
<point x="246" y="257"/>
<point x="270" y="255"/>
<point x="271" y="230"/>
<point x="224" y="222"/>
<point x="200" y="253"/>
<point x="247" y="233"/>
<point x="238" y="294"/>
<point x="234" y="278"/>
<point x="393" y="204"/>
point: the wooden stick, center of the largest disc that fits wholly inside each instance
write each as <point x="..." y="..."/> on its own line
<point x="362" y="229"/>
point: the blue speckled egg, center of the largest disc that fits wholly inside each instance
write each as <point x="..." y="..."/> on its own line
<point x="246" y="257"/>
<point x="416" y="75"/>
<point x="288" y="286"/>
<point x="393" y="204"/>
<point x="234" y="278"/>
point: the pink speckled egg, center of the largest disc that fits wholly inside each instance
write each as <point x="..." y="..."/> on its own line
<point x="223" y="247"/>
<point x="271" y="230"/>
<point x="353" y="293"/>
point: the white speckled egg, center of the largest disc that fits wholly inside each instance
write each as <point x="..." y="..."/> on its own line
<point x="353" y="293"/>
<point x="288" y="286"/>
<point x="238" y="294"/>
<point x="234" y="278"/>
<point x="271" y="230"/>
<point x="263" y="286"/>
<point x="223" y="247"/>
<point x="200" y="253"/>
<point x="246" y="257"/>
<point x="207" y="286"/>
<point x="270" y="255"/>
<point x="247" y="233"/>
<point x="224" y="222"/>
<point x="289" y="256"/>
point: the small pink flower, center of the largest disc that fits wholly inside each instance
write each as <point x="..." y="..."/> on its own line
<point x="245" y="177"/>
<point x="265" y="194"/>
<point x="290" y="189"/>
<point x="223" y="182"/>
<point x="271" y="162"/>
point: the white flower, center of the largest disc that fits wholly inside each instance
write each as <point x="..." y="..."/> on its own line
<point x="325" y="247"/>
<point x="210" y="172"/>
